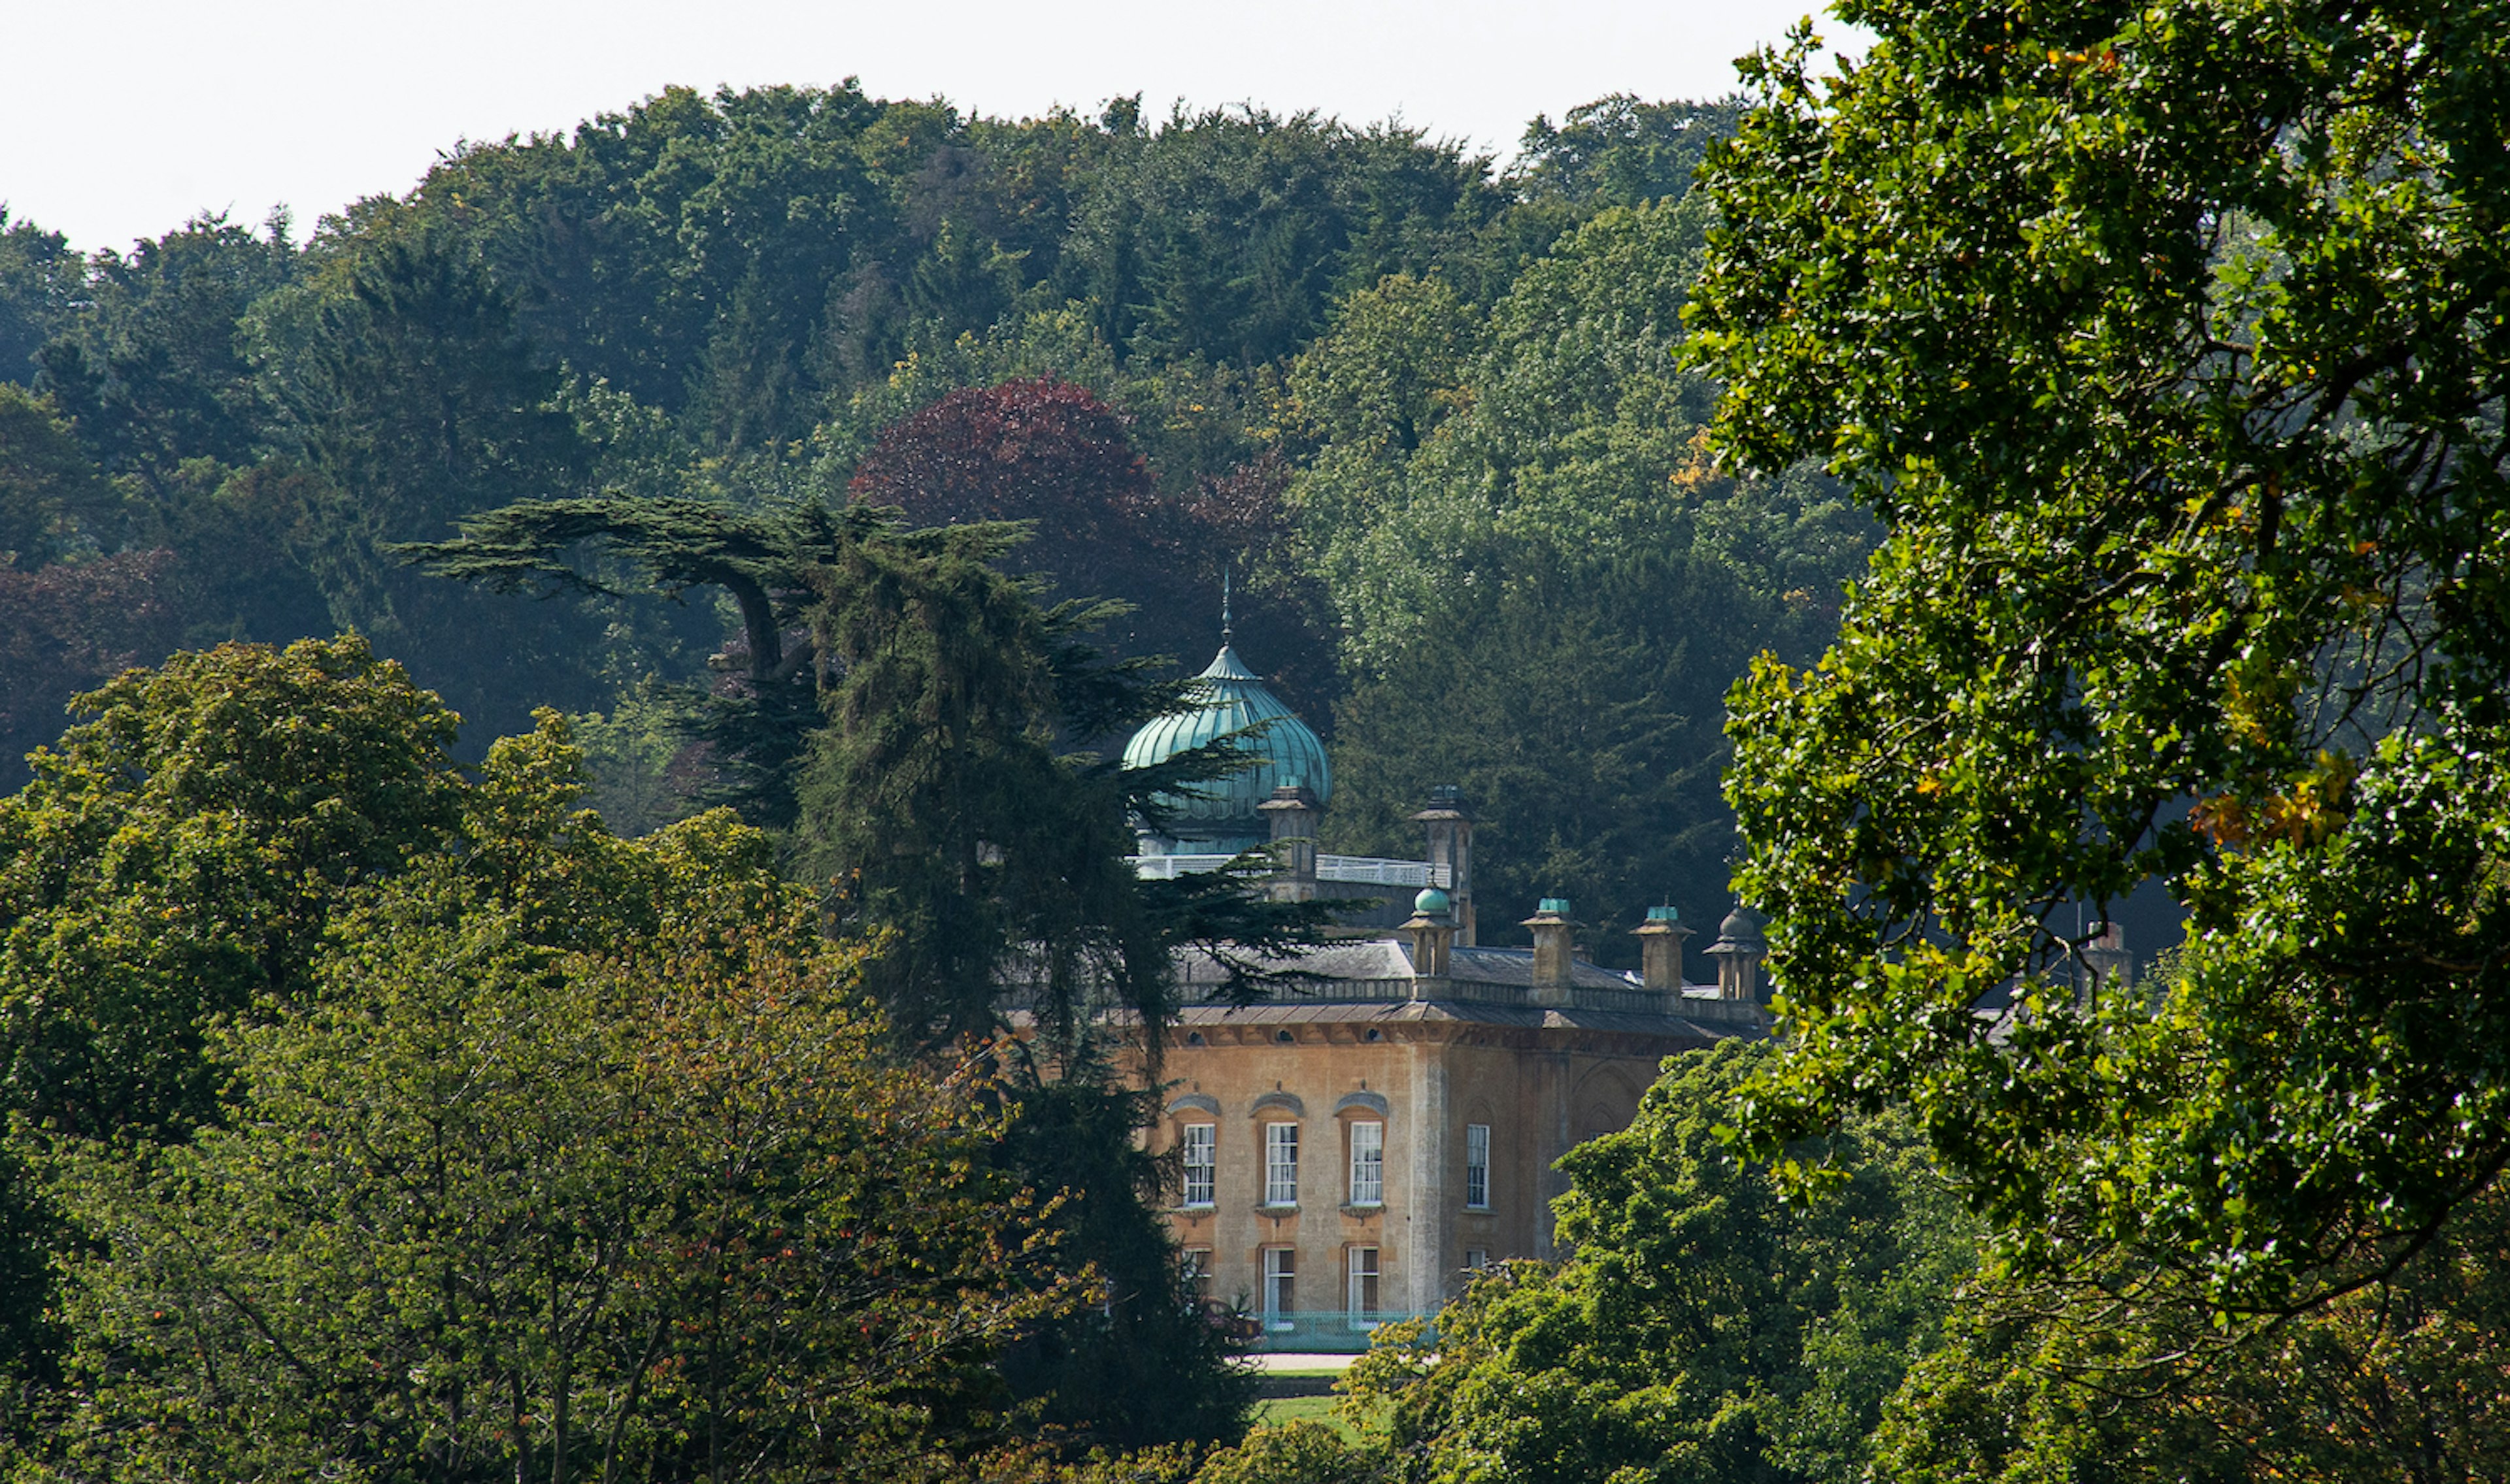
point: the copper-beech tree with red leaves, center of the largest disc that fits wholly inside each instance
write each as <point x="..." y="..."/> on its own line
<point x="1054" y="454"/>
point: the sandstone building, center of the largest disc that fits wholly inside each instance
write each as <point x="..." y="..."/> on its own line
<point x="1388" y="1118"/>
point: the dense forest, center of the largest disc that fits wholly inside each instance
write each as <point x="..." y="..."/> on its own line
<point x="817" y="487"/>
<point x="1425" y="411"/>
<point x="558" y="714"/>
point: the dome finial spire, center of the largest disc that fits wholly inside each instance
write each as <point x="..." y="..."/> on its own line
<point x="1224" y="608"/>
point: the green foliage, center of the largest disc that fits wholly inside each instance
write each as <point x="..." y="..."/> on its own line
<point x="50" y="493"/>
<point x="177" y="860"/>
<point x="1293" y="1453"/>
<point x="157" y="371"/>
<point x="1703" y="1328"/>
<point x="734" y="260"/>
<point x="581" y="1162"/>
<point x="692" y="250"/>
<point x="63" y="629"/>
<point x="180" y="855"/>
<point x="1602" y="785"/>
<point x="759" y="724"/>
<point x="1227" y="235"/>
<point x="2167" y="343"/>
<point x="1516" y="520"/>
<point x="629" y="758"/>
<point x="1577" y="432"/>
<point x="416" y="398"/>
<point x="937" y="801"/>
<point x="1373" y="390"/>
<point x="1621" y="151"/>
<point x="2398" y="1381"/>
<point x="40" y="280"/>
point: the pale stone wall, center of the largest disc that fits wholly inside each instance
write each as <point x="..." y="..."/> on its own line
<point x="1538" y="1091"/>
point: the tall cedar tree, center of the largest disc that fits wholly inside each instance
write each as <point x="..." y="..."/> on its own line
<point x="911" y="706"/>
<point x="910" y="710"/>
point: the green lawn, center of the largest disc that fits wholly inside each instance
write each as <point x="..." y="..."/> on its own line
<point x="1301" y="1409"/>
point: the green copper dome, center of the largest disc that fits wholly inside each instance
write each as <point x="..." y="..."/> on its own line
<point x="1227" y="698"/>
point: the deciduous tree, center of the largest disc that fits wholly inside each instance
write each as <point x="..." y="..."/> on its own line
<point x="1514" y="517"/>
<point x="2399" y="1383"/>
<point x="581" y="1164"/>
<point x="1702" y="1327"/>
<point x="177" y="862"/>
<point x="2167" y="342"/>
<point x="178" y="857"/>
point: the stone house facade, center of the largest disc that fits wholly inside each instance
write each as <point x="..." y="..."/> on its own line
<point x="1387" y="1118"/>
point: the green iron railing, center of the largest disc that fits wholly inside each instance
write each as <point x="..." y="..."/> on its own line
<point x="1331" y="1331"/>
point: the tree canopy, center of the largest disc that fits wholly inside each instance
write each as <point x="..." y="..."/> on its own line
<point x="1515" y="518"/>
<point x="1701" y="1328"/>
<point x="581" y="1162"/>
<point x="2167" y="343"/>
<point x="178" y="859"/>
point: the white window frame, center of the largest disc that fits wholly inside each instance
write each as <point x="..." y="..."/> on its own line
<point x="1280" y="1286"/>
<point x="1363" y="1295"/>
<point x="1202" y="1145"/>
<point x="1197" y="1262"/>
<point x="1477" y="1166"/>
<point x="1281" y="1164"/>
<point x="1367" y="1162"/>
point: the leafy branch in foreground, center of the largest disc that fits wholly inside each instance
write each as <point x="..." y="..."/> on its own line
<point x="2168" y="342"/>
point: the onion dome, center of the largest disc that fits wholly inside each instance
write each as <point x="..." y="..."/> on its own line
<point x="1228" y="697"/>
<point x="1432" y="902"/>
<point x="1742" y="928"/>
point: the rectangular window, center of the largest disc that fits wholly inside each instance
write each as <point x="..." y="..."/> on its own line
<point x="1476" y="1259"/>
<point x="1280" y="1165"/>
<point x="1197" y="1273"/>
<point x="1476" y="1166"/>
<point x="1201" y="1160"/>
<point x="1363" y="1301"/>
<point x="1280" y="1276"/>
<point x="1368" y="1163"/>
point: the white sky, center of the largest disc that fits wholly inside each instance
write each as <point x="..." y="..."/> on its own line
<point x="118" y="121"/>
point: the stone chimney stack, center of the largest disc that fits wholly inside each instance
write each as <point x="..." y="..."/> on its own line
<point x="2111" y="965"/>
<point x="1293" y="810"/>
<point x="1554" y="951"/>
<point x="1660" y="939"/>
<point x="1449" y="823"/>
<point x="1738" y="951"/>
<point x="1431" y="928"/>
